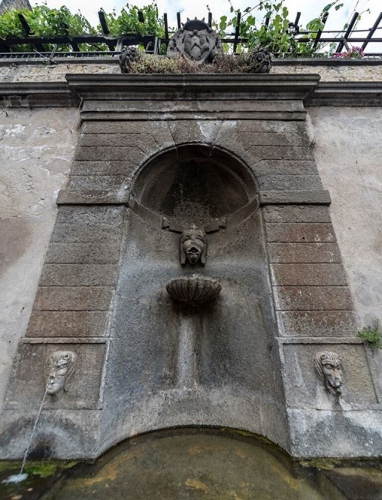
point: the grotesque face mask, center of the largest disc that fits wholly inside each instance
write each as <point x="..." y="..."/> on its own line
<point x="329" y="369"/>
<point x="59" y="368"/>
<point x="193" y="246"/>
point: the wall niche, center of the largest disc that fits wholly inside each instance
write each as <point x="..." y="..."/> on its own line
<point x="175" y="360"/>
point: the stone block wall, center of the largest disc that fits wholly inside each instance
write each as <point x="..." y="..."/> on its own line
<point x="313" y="309"/>
<point x="36" y="148"/>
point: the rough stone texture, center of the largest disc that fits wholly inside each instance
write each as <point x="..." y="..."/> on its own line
<point x="232" y="374"/>
<point x="309" y="283"/>
<point x="303" y="252"/>
<point x="308" y="274"/>
<point x="27" y="388"/>
<point x="312" y="298"/>
<point x="58" y="433"/>
<point x="303" y="388"/>
<point x="302" y="233"/>
<point x="147" y="326"/>
<point x="339" y="73"/>
<point x="316" y="323"/>
<point x="36" y="147"/>
<point x="67" y="324"/>
<point x="331" y="433"/>
<point x="55" y="73"/>
<point x="296" y="213"/>
<point x="347" y="149"/>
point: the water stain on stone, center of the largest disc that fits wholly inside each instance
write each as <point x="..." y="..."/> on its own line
<point x="193" y="483"/>
<point x="15" y="239"/>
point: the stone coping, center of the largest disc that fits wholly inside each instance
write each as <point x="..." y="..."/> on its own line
<point x="114" y="60"/>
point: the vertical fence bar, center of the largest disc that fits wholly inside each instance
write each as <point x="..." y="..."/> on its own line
<point x="237" y="31"/>
<point x="371" y="32"/>
<point x="317" y="39"/>
<point x="348" y="31"/>
<point x="165" y="28"/>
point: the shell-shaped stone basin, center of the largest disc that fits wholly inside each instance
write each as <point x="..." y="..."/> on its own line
<point x="193" y="290"/>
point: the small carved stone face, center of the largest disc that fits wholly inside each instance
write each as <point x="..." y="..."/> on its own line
<point x="59" y="369"/>
<point x="193" y="245"/>
<point x="329" y="369"/>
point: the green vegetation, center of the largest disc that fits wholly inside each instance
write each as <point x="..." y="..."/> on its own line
<point x="275" y="30"/>
<point x="43" y="468"/>
<point x="128" y="21"/>
<point x="372" y="336"/>
<point x="278" y="36"/>
<point x="45" y="22"/>
<point x="225" y="63"/>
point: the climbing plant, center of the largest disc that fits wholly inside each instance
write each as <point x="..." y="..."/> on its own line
<point x="44" y="22"/>
<point x="129" y="21"/>
<point x="276" y="29"/>
<point x="268" y="23"/>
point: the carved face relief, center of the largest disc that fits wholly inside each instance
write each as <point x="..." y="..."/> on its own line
<point x="329" y="369"/>
<point x="193" y="246"/>
<point x="59" y="368"/>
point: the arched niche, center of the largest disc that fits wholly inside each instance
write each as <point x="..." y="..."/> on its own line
<point x="194" y="183"/>
<point x="155" y="378"/>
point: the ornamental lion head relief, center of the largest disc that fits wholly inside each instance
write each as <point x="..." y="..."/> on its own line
<point x="196" y="40"/>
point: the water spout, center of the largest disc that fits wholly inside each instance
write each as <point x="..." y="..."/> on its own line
<point x="22" y="476"/>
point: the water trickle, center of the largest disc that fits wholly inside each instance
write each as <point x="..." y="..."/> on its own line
<point x="186" y="353"/>
<point x="22" y="476"/>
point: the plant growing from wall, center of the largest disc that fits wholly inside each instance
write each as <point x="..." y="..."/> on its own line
<point x="372" y="336"/>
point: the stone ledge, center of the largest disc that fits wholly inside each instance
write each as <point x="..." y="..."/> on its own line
<point x="319" y="340"/>
<point x="65" y="340"/>
<point x="193" y="86"/>
<point x="321" y="197"/>
<point x="190" y="87"/>
<point x="346" y="94"/>
<point x="39" y="94"/>
<point x="325" y="61"/>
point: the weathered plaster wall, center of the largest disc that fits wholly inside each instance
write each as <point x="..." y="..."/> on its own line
<point x="347" y="148"/>
<point x="36" y="147"/>
<point x="339" y="72"/>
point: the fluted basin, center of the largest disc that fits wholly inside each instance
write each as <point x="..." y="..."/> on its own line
<point x="193" y="290"/>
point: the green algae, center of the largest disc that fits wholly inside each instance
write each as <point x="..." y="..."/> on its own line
<point x="44" y="468"/>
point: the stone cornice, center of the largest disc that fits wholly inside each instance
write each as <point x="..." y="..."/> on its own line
<point x="37" y="94"/>
<point x="193" y="86"/>
<point x="188" y="88"/>
<point x="346" y="94"/>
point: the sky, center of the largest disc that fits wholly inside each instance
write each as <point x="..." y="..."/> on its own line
<point x="198" y="8"/>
